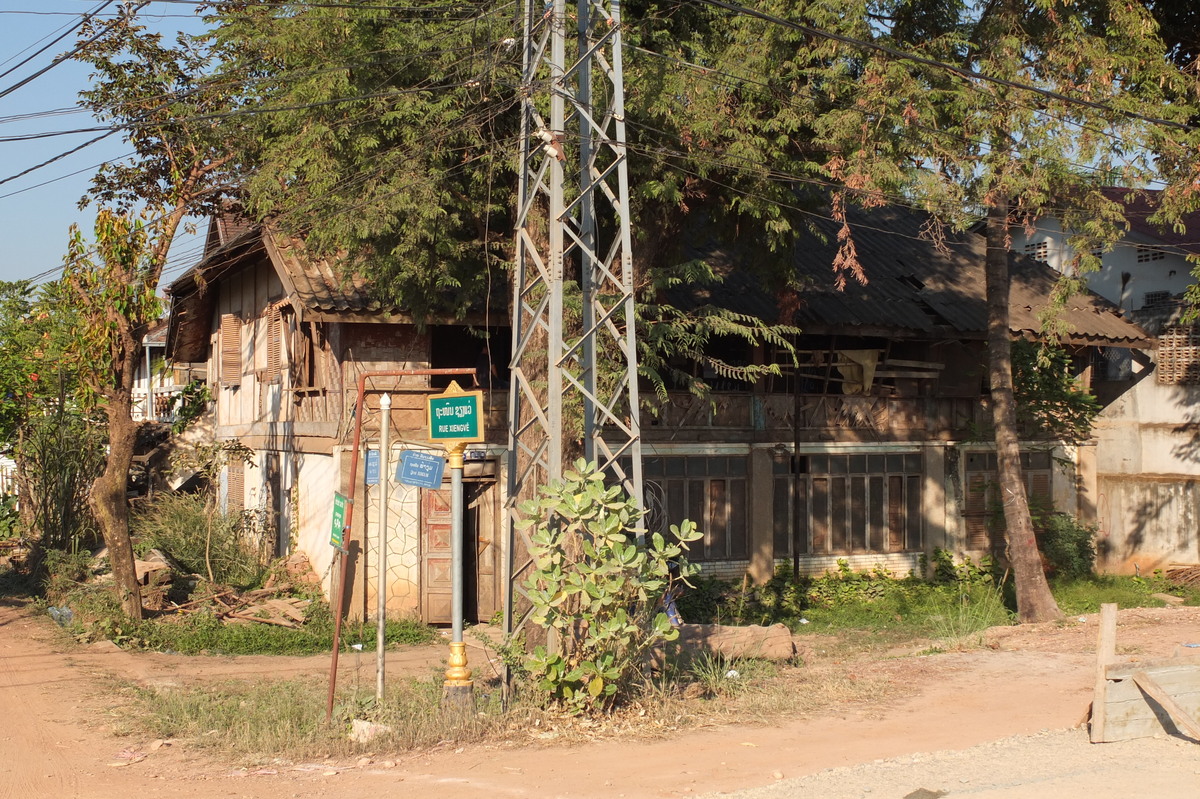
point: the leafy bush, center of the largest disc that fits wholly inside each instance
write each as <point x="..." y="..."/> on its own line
<point x="58" y="457"/>
<point x="596" y="588"/>
<point x="705" y="600"/>
<point x="231" y="549"/>
<point x="9" y="516"/>
<point x="943" y="568"/>
<point x="1067" y="544"/>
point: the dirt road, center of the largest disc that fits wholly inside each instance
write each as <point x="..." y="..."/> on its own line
<point x="57" y="742"/>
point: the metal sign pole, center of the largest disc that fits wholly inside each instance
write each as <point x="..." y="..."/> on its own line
<point x="385" y="431"/>
<point x="456" y="418"/>
<point x="458" y="688"/>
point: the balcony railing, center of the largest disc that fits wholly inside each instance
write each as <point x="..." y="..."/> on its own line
<point x="872" y="416"/>
<point x="161" y="412"/>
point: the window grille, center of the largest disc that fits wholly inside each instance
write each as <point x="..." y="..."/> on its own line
<point x="1156" y="299"/>
<point x="1147" y="254"/>
<point x="848" y="504"/>
<point x="709" y="490"/>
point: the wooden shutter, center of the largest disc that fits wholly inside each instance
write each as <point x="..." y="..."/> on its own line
<point x="231" y="350"/>
<point x="235" y="487"/>
<point x="976" y="511"/>
<point x="274" y="322"/>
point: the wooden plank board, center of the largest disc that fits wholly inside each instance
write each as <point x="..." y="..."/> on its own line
<point x="1182" y="719"/>
<point x="1121" y="671"/>
<point x="1106" y="650"/>
<point x="287" y="608"/>
<point x="914" y="364"/>
<point x="1129" y="715"/>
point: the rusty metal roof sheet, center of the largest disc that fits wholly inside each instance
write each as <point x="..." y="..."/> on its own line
<point x="913" y="287"/>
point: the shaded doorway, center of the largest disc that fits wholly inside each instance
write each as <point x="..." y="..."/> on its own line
<point x="481" y="598"/>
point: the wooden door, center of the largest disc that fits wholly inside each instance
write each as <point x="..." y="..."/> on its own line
<point x="481" y="521"/>
<point x="436" y="575"/>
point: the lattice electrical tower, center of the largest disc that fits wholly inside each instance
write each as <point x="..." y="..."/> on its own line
<point x="574" y="353"/>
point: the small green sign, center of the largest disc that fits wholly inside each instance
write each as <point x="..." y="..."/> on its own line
<point x="456" y="415"/>
<point x="337" y="534"/>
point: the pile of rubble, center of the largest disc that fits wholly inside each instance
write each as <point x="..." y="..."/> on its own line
<point x="272" y="604"/>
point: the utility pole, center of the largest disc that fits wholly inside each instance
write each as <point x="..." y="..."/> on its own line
<point x="568" y="236"/>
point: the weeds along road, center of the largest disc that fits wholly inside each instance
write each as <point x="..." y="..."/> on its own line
<point x="983" y="715"/>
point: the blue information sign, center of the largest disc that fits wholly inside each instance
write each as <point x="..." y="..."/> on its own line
<point x="372" y="467"/>
<point x="420" y="469"/>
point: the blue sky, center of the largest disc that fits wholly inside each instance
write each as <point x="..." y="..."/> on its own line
<point x="37" y="210"/>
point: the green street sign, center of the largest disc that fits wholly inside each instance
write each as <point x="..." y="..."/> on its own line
<point x="336" y="535"/>
<point x="456" y="416"/>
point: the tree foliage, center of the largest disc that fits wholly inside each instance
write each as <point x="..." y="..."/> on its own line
<point x="162" y="99"/>
<point x="1050" y="401"/>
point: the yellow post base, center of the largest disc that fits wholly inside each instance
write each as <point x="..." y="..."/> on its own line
<point x="457" y="672"/>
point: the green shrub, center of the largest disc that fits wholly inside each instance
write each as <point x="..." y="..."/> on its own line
<point x="9" y="516"/>
<point x="596" y="588"/>
<point x="1067" y="544"/>
<point x="705" y="600"/>
<point x="230" y="549"/>
<point x="944" y="569"/>
<point x="1085" y="594"/>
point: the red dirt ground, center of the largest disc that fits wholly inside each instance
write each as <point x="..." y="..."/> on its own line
<point x="57" y="742"/>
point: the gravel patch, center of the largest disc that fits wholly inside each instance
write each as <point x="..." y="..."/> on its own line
<point x="1054" y="764"/>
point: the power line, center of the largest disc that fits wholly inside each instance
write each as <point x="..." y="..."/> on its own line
<point x="58" y="157"/>
<point x="64" y="177"/>
<point x="65" y="56"/>
<point x="69" y="30"/>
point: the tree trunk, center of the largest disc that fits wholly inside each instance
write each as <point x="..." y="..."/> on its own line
<point x="108" y="497"/>
<point x="1034" y="600"/>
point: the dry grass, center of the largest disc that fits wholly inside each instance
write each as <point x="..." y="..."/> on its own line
<point x="268" y="720"/>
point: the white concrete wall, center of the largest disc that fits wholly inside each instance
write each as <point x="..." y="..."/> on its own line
<point x="1146" y="523"/>
<point x="1172" y="273"/>
<point x="1148" y="477"/>
<point x="316" y="481"/>
<point x="1150" y="429"/>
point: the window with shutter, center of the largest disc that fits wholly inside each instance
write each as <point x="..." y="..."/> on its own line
<point x="231" y="350"/>
<point x="274" y="322"/>
<point x="710" y="491"/>
<point x="235" y="487"/>
<point x="851" y="503"/>
<point x="982" y="513"/>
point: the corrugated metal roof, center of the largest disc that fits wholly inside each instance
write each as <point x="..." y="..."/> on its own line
<point x="317" y="285"/>
<point x="914" y="287"/>
<point x="1142" y="205"/>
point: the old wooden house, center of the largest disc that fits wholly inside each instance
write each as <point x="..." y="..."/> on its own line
<point x="874" y="449"/>
<point x="286" y="340"/>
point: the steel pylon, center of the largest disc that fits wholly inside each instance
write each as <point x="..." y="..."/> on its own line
<point x="574" y="357"/>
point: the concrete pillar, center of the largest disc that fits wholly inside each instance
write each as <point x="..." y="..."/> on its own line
<point x="1087" y="484"/>
<point x="938" y="522"/>
<point x="760" y="498"/>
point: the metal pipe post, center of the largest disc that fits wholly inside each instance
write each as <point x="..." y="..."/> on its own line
<point x="458" y="689"/>
<point x="385" y="431"/>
